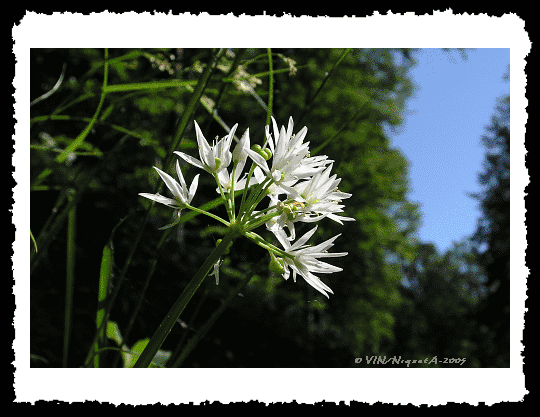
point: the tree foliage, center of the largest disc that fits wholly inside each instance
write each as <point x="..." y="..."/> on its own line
<point x="492" y="237"/>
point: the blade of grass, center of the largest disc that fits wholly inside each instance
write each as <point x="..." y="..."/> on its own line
<point x="103" y="290"/>
<point x="105" y="275"/>
<point x="52" y="90"/>
<point x="70" y="280"/>
<point x="33" y="241"/>
<point x="151" y="85"/>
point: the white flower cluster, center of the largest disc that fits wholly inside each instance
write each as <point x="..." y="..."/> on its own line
<point x="300" y="188"/>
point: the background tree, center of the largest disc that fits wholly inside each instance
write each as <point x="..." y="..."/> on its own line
<point x="442" y="292"/>
<point x="492" y="239"/>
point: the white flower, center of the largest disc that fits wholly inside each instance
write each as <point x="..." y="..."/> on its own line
<point x="304" y="259"/>
<point x="213" y="158"/>
<point x="182" y="196"/>
<point x="239" y="157"/>
<point x="290" y="158"/>
<point x="318" y="198"/>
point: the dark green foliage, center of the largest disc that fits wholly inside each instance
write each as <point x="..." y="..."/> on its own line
<point x="492" y="238"/>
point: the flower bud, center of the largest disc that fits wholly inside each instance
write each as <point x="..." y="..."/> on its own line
<point x="276" y="265"/>
<point x="265" y="153"/>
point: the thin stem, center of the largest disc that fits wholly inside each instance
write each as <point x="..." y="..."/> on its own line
<point x="213" y="216"/>
<point x="326" y="78"/>
<point x="70" y="278"/>
<point x="172" y="316"/>
<point x="268" y="246"/>
<point x="152" y="85"/>
<point x="245" y="191"/>
<point x="257" y="197"/>
<point x="259" y="221"/>
<point x="270" y="87"/>
<point x="226" y="200"/>
<point x="210" y="322"/>
<point x="231" y="192"/>
<point x="151" y="269"/>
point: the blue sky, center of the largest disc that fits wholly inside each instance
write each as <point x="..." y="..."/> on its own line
<point x="441" y="134"/>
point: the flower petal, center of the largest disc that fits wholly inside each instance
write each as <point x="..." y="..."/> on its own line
<point x="171" y="184"/>
<point x="193" y="188"/>
<point x="258" y="159"/>
<point x="204" y="148"/>
<point x="191" y="160"/>
<point x="160" y="199"/>
<point x="303" y="239"/>
<point x="180" y="176"/>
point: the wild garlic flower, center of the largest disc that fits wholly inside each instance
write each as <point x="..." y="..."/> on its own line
<point x="321" y="198"/>
<point x="239" y="158"/>
<point x="282" y="166"/>
<point x="213" y="158"/>
<point x="182" y="196"/>
<point x="290" y="158"/>
<point x="304" y="259"/>
<point x="318" y="198"/>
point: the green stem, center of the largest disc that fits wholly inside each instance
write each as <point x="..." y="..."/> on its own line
<point x="268" y="246"/>
<point x="226" y="200"/>
<point x="245" y="190"/>
<point x="172" y="316"/>
<point x="259" y="221"/>
<point x="213" y="216"/>
<point x="70" y="278"/>
<point x="270" y="86"/>
<point x="258" y="195"/>
<point x="230" y="194"/>
<point x="120" y="88"/>
<point x="326" y="78"/>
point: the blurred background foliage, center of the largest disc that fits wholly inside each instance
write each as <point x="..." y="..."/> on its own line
<point x="395" y="296"/>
